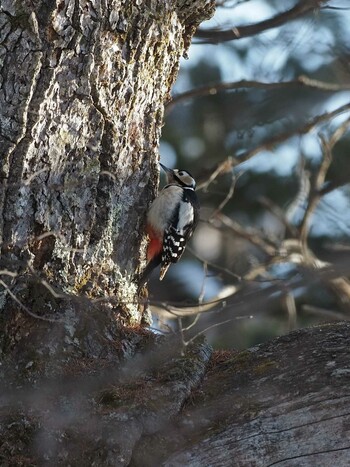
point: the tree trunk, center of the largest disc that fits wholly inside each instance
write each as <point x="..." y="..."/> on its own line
<point x="82" y="92"/>
<point x="283" y="403"/>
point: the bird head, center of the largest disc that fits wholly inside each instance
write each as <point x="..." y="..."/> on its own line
<point x="179" y="177"/>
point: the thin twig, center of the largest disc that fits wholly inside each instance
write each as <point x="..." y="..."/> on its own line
<point x="215" y="266"/>
<point x="330" y="314"/>
<point x="46" y="284"/>
<point x="214" y="36"/>
<point x="278" y="213"/>
<point x="227" y="164"/>
<point x="213" y="89"/>
<point x="249" y="234"/>
<point x="59" y="236"/>
<point x="223" y="3"/>
<point x="289" y="303"/>
<point x="319" y="179"/>
<point x="228" y="197"/>
<point x="21" y="305"/>
<point x="200" y="298"/>
<point x="215" y="325"/>
<point x="309" y="126"/>
<point x="29" y="180"/>
<point x="222" y="168"/>
<point x="303" y="192"/>
<point x="6" y="272"/>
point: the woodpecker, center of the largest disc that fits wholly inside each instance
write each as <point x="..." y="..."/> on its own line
<point x="171" y="220"/>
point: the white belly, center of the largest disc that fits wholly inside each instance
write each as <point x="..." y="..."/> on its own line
<point x="160" y="212"/>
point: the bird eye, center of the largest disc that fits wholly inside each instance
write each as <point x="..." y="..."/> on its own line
<point x="181" y="173"/>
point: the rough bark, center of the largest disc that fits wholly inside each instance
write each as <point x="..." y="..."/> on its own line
<point x="282" y="403"/>
<point x="82" y="92"/>
<point x="98" y="418"/>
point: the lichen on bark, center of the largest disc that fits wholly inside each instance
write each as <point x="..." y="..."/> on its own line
<point x="82" y="97"/>
<point x="82" y="92"/>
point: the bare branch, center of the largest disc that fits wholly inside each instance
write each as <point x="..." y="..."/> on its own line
<point x="215" y="36"/>
<point x="319" y="179"/>
<point x="228" y="197"/>
<point x="29" y="180"/>
<point x="221" y="168"/>
<point x="200" y="298"/>
<point x="227" y="3"/>
<point x="23" y="307"/>
<point x="289" y="304"/>
<point x="279" y="214"/>
<point x="227" y="164"/>
<point x="216" y="267"/>
<point x="213" y="89"/>
<point x="61" y="238"/>
<point x="46" y="284"/>
<point x="303" y="130"/>
<point x="248" y="234"/>
<point x="303" y="192"/>
<point x="215" y="325"/>
<point x="6" y="272"/>
<point x="329" y="314"/>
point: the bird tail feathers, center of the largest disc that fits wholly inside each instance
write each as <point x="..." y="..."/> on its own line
<point x="148" y="270"/>
<point x="163" y="271"/>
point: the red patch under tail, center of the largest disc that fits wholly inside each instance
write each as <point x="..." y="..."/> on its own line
<point x="155" y="244"/>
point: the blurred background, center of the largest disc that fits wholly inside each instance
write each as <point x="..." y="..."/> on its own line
<point x="262" y="123"/>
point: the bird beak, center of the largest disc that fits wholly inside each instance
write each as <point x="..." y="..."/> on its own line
<point x="168" y="172"/>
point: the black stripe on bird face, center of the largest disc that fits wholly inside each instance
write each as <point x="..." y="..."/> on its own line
<point x="184" y="178"/>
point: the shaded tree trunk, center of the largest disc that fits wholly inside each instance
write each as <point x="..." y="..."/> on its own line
<point x="82" y="92"/>
<point x="283" y="403"/>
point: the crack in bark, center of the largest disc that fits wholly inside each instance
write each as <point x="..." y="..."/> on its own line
<point x="272" y="432"/>
<point x="301" y="456"/>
